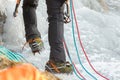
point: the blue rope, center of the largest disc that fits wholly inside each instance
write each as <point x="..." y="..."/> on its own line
<point x="11" y="55"/>
<point x="76" y="44"/>
<point x="71" y="62"/>
<point x="21" y="57"/>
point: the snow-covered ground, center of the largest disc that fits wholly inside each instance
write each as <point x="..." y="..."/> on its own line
<point x="99" y="30"/>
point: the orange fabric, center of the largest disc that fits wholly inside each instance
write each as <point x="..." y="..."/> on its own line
<point x="21" y="72"/>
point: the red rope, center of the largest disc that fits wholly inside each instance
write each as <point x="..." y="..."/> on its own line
<point x="82" y="44"/>
<point x="73" y="62"/>
<point x="78" y="71"/>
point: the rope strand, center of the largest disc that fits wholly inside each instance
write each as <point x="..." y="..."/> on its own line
<point x="82" y="44"/>
<point x="73" y="33"/>
<point x="73" y="64"/>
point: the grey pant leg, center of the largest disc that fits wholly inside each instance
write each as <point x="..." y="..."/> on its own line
<point x="55" y="10"/>
<point x="30" y="19"/>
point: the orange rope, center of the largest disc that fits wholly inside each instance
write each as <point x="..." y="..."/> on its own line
<point x="54" y="66"/>
<point x="30" y="41"/>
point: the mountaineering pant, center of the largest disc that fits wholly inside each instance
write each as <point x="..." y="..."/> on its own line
<point x="30" y="19"/>
<point x="55" y="10"/>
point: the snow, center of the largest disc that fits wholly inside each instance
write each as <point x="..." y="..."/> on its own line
<point x="99" y="30"/>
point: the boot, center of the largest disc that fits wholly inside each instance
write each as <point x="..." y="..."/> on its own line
<point x="58" y="67"/>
